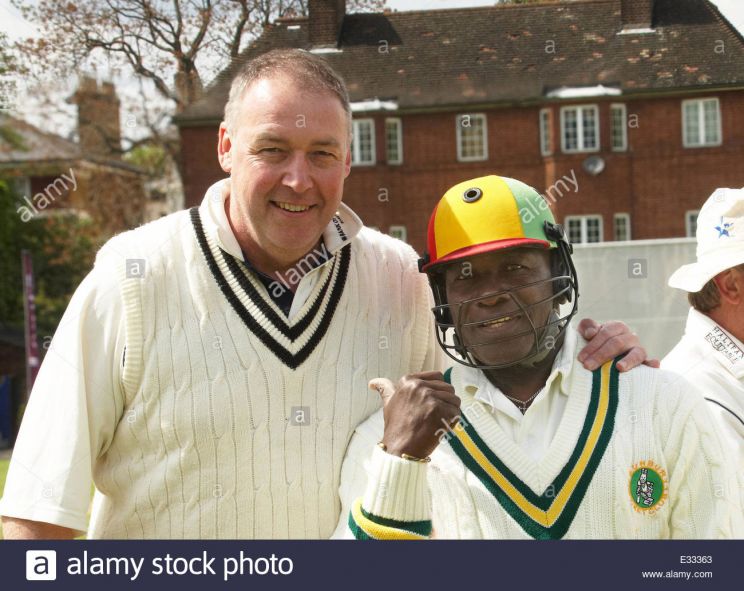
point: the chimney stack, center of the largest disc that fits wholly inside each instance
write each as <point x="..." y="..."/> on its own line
<point x="325" y="19"/>
<point x="637" y="14"/>
<point x="99" y="126"/>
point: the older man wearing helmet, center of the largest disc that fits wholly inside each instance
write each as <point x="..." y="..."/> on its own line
<point x="711" y="352"/>
<point x="518" y="439"/>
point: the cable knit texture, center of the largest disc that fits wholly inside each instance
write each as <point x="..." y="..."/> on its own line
<point x="207" y="447"/>
<point x="660" y="420"/>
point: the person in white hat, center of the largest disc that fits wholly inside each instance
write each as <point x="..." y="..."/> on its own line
<point x="711" y="352"/>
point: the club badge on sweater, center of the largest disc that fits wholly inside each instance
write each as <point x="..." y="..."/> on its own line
<point x="648" y="487"/>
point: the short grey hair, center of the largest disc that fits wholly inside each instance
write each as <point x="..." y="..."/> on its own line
<point x="310" y="70"/>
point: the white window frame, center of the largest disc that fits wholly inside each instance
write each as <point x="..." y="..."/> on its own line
<point x="623" y="147"/>
<point x="546" y="132"/>
<point x="701" y="123"/>
<point x="473" y="117"/>
<point x="399" y="232"/>
<point x="689" y="232"/>
<point x="355" y="147"/>
<point x="626" y="218"/>
<point x="398" y="139"/>
<point x="584" y="227"/>
<point x="580" y="128"/>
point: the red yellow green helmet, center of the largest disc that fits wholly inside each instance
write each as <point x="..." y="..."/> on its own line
<point x="483" y="215"/>
<point x="486" y="214"/>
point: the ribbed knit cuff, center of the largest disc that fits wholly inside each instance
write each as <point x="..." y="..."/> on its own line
<point x="397" y="488"/>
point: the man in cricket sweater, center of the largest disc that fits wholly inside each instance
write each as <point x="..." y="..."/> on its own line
<point x="518" y="439"/>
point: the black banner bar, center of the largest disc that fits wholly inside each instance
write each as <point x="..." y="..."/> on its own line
<point x="575" y="565"/>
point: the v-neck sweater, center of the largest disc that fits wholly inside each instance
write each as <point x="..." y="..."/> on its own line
<point x="229" y="420"/>
<point x="615" y="427"/>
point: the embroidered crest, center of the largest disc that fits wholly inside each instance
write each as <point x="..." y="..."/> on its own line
<point x="648" y="487"/>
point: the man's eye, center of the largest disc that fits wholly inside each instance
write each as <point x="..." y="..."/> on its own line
<point x="271" y="150"/>
<point x="323" y="154"/>
<point x="514" y="267"/>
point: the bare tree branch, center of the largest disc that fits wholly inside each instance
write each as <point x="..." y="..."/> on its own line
<point x="171" y="44"/>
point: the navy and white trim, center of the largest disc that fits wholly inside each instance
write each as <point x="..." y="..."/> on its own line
<point x="293" y="342"/>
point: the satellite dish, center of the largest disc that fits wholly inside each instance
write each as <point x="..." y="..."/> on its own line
<point x="594" y="165"/>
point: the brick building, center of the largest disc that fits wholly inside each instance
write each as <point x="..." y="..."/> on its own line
<point x="625" y="113"/>
<point x="88" y="177"/>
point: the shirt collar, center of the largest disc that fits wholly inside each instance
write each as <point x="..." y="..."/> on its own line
<point x="475" y="382"/>
<point x="341" y="230"/>
<point x="715" y="340"/>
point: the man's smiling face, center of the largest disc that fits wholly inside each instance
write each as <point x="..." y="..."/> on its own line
<point x="496" y="315"/>
<point x="288" y="158"/>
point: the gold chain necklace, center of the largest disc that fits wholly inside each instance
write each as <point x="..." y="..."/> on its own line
<point x="522" y="405"/>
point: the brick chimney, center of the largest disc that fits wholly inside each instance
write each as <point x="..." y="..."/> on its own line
<point x="99" y="126"/>
<point x="637" y="14"/>
<point x="325" y="18"/>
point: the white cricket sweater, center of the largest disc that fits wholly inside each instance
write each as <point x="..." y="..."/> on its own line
<point x="713" y="360"/>
<point x="233" y="420"/>
<point x="635" y="456"/>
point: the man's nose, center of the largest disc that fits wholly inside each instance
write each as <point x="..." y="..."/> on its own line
<point x="297" y="173"/>
<point x="492" y="294"/>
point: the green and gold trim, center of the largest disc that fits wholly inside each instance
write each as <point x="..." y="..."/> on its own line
<point x="549" y="515"/>
<point x="366" y="526"/>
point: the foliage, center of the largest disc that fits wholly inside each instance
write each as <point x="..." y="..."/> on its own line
<point x="151" y="158"/>
<point x="12" y="138"/>
<point x="63" y="249"/>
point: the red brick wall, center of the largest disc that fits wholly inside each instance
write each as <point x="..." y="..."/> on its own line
<point x="430" y="167"/>
<point x="655" y="181"/>
<point x="199" y="160"/>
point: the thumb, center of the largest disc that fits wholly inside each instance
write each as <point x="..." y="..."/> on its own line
<point x="589" y="328"/>
<point x="384" y="386"/>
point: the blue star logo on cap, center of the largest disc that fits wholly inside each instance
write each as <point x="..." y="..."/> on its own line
<point x="723" y="229"/>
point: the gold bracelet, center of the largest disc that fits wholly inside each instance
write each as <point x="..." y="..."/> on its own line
<point x="405" y="456"/>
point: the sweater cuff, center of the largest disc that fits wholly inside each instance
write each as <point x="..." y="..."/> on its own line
<point x="397" y="489"/>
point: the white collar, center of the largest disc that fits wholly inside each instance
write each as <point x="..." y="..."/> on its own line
<point x="715" y="340"/>
<point x="341" y="230"/>
<point x="475" y="382"/>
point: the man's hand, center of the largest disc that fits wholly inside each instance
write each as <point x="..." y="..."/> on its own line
<point x="416" y="410"/>
<point x="607" y="341"/>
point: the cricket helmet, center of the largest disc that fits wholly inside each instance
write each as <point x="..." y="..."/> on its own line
<point x="487" y="214"/>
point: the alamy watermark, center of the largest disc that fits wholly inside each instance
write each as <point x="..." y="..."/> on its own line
<point x="43" y="199"/>
<point x="552" y="194"/>
<point x="290" y="278"/>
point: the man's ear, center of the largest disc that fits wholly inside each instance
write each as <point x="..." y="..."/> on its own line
<point x="730" y="284"/>
<point x="347" y="162"/>
<point x="224" y="148"/>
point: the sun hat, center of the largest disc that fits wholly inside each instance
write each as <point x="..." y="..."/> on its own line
<point x="720" y="240"/>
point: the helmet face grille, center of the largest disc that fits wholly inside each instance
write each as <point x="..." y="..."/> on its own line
<point x="454" y="320"/>
<point x="456" y="328"/>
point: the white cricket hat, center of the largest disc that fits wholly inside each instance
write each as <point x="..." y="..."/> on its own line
<point x="720" y="240"/>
